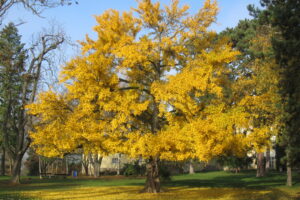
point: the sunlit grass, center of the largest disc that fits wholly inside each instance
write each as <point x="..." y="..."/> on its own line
<point x="204" y="186"/>
<point x="178" y="193"/>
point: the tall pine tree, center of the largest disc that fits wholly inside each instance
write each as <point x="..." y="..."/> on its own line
<point x="284" y="15"/>
<point x="12" y="58"/>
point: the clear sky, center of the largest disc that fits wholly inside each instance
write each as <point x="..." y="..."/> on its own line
<point x="77" y="20"/>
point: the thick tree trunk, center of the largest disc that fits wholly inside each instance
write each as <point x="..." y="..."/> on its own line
<point x="97" y="163"/>
<point x="85" y="164"/>
<point x="86" y="169"/>
<point x="96" y="169"/>
<point x="3" y="162"/>
<point x="260" y="165"/>
<point x="191" y="168"/>
<point x="152" y="180"/>
<point x="289" y="181"/>
<point x="16" y="170"/>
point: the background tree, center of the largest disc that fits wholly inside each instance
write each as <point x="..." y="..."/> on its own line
<point x="36" y="7"/>
<point x="285" y="18"/>
<point x="32" y="163"/>
<point x="257" y="76"/>
<point x="154" y="86"/>
<point x="12" y="61"/>
<point x="21" y="74"/>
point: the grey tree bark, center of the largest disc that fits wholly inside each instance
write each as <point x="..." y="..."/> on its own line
<point x="191" y="167"/>
<point x="289" y="180"/>
<point x="152" y="178"/>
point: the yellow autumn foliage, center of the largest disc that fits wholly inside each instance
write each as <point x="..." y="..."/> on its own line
<point x="153" y="84"/>
<point x="260" y="93"/>
<point x="180" y="193"/>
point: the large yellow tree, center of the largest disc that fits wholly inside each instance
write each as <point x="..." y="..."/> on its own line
<point x="153" y="84"/>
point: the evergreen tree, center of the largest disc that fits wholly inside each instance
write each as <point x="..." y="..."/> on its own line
<point x="12" y="58"/>
<point x="256" y="76"/>
<point x="284" y="15"/>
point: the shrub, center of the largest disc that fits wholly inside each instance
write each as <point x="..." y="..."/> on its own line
<point x="134" y="169"/>
<point x="164" y="172"/>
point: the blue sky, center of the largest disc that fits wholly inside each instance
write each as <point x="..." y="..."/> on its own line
<point x="77" y="20"/>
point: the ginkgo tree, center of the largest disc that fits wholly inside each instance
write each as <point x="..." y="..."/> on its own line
<point x="153" y="84"/>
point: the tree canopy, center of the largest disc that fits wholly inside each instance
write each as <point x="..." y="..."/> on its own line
<point x="155" y="83"/>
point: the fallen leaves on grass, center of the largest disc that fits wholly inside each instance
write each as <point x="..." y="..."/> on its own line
<point x="178" y="193"/>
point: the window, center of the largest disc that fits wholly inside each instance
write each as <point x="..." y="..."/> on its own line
<point x="114" y="160"/>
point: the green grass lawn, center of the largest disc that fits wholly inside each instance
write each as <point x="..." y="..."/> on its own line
<point x="204" y="186"/>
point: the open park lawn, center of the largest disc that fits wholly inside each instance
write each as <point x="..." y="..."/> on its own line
<point x="206" y="185"/>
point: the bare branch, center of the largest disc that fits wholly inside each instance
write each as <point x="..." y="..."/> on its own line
<point x="34" y="6"/>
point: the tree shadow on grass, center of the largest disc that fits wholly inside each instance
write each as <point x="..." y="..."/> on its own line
<point x="35" y="185"/>
<point x="243" y="180"/>
<point x="239" y="186"/>
<point x="233" y="194"/>
<point x="14" y="197"/>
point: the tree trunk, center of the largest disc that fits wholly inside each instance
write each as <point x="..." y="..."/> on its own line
<point x="67" y="167"/>
<point x="119" y="164"/>
<point x="260" y="165"/>
<point x="289" y="181"/>
<point x="56" y="166"/>
<point x="10" y="166"/>
<point x="152" y="180"/>
<point x="100" y="162"/>
<point x="86" y="169"/>
<point x="96" y="171"/>
<point x="16" y="170"/>
<point x="268" y="160"/>
<point x="85" y="165"/>
<point x="52" y="168"/>
<point x="3" y="162"/>
<point x="40" y="167"/>
<point x="191" y="168"/>
<point x="97" y="164"/>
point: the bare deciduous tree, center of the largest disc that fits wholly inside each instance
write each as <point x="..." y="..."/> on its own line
<point x="35" y="6"/>
<point x="38" y="58"/>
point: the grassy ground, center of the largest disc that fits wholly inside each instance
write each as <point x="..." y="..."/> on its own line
<point x="204" y="186"/>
